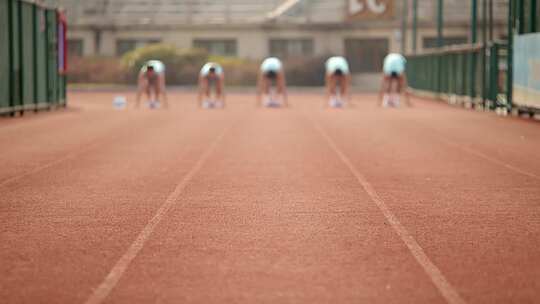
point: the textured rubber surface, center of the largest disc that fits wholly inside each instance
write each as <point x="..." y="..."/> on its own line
<point x="430" y="204"/>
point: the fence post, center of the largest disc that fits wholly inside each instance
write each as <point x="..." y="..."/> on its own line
<point x="490" y="22"/>
<point x="464" y="73"/>
<point x="46" y="62"/>
<point x="510" y="55"/>
<point x="34" y="53"/>
<point x="6" y="65"/>
<point x="474" y="20"/>
<point x="415" y="25"/>
<point x="520" y="14"/>
<point x="20" y="78"/>
<point x="484" y="50"/>
<point x="494" y="73"/>
<point x="404" y="26"/>
<point x="12" y="79"/>
<point x="62" y="58"/>
<point x="440" y="21"/>
<point x="533" y="16"/>
<point x="440" y="41"/>
<point x="472" y="67"/>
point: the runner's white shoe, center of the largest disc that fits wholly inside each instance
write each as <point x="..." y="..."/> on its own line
<point x="336" y="103"/>
<point x="207" y="104"/>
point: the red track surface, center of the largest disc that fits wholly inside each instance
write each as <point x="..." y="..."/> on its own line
<point x="431" y="204"/>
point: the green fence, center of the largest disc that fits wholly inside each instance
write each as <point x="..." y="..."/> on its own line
<point x="5" y="88"/>
<point x="29" y="71"/>
<point x="458" y="74"/>
<point x="15" y="43"/>
<point x="52" y="60"/>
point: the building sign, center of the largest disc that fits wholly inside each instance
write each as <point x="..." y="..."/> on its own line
<point x="370" y="9"/>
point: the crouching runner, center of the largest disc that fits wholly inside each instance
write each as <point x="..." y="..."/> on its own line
<point x="394" y="81"/>
<point x="272" y="87"/>
<point x="151" y="81"/>
<point x="211" y="77"/>
<point x="338" y="81"/>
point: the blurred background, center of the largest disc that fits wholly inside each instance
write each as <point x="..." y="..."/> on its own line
<point x="114" y="37"/>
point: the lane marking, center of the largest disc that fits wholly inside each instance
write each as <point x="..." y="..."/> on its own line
<point x="445" y="139"/>
<point x="488" y="158"/>
<point x="98" y="141"/>
<point x="445" y="288"/>
<point x="115" y="274"/>
<point x="87" y="147"/>
<point x="51" y="164"/>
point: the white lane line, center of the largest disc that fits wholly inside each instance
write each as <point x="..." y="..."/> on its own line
<point x="487" y="157"/>
<point x="38" y="169"/>
<point x="444" y="139"/>
<point x="87" y="147"/>
<point x="445" y="288"/>
<point x="110" y="281"/>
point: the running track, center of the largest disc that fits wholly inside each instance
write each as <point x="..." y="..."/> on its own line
<point x="432" y="204"/>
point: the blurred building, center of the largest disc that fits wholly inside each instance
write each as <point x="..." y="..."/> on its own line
<point x="362" y="30"/>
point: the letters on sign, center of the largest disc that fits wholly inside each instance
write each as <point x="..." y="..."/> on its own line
<point x="366" y="9"/>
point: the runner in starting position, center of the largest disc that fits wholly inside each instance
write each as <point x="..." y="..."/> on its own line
<point x="151" y="81"/>
<point x="211" y="75"/>
<point x="394" y="81"/>
<point x="272" y="73"/>
<point x="338" y="75"/>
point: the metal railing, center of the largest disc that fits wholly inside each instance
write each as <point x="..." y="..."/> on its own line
<point x="460" y="74"/>
<point x="30" y="74"/>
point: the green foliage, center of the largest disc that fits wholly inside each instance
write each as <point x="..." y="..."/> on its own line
<point x="180" y="63"/>
<point x="238" y="72"/>
<point x="183" y="66"/>
<point x="229" y="61"/>
<point x="96" y="70"/>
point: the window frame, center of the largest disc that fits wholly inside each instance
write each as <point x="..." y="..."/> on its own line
<point x="80" y="47"/>
<point x="229" y="46"/>
<point x="282" y="47"/>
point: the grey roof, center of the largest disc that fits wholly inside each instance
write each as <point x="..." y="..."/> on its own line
<point x="166" y="12"/>
<point x="218" y="12"/>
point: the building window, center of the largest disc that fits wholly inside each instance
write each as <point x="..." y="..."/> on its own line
<point x="223" y="47"/>
<point x="366" y="55"/>
<point x="124" y="46"/>
<point x="287" y="48"/>
<point x="431" y="42"/>
<point x="75" y="47"/>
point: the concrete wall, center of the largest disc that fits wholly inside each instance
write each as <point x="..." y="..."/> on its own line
<point x="88" y="39"/>
<point x="254" y="43"/>
<point x="179" y="22"/>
